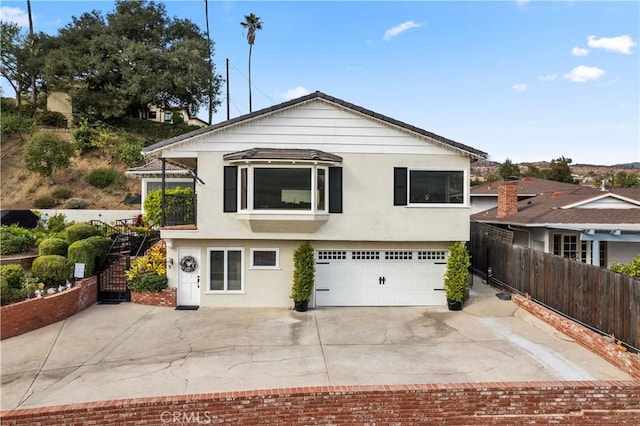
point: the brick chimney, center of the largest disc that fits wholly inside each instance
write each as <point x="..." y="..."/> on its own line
<point x="508" y="198"/>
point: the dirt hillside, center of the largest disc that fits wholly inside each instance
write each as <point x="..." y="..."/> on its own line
<point x="19" y="187"/>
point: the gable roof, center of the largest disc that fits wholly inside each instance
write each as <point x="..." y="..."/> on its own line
<point x="566" y="208"/>
<point x="527" y="186"/>
<point x="155" y="149"/>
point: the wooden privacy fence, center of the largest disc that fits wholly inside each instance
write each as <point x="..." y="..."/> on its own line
<point x="596" y="297"/>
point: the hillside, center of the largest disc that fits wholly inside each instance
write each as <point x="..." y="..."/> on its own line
<point x="19" y="187"/>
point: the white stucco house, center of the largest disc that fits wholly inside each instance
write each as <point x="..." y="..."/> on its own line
<point x="591" y="225"/>
<point x="378" y="199"/>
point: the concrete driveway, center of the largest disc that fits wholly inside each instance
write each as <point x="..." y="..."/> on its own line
<point x="129" y="350"/>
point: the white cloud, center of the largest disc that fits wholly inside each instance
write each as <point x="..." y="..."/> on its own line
<point x="582" y="74"/>
<point x="620" y="44"/>
<point x="579" y="51"/>
<point x="549" y="77"/>
<point x="15" y="15"/>
<point x="399" y="29"/>
<point x="520" y="87"/>
<point x="294" y="93"/>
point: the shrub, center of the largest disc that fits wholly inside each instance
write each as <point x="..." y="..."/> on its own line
<point x="632" y="268"/>
<point x="148" y="273"/>
<point x="148" y="282"/>
<point x="53" y="245"/>
<point x="153" y="204"/>
<point x="16" y="124"/>
<point x="56" y="223"/>
<point x="83" y="251"/>
<point x="13" y="275"/>
<point x="84" y="133"/>
<point x="101" y="246"/>
<point x="130" y="152"/>
<point x="457" y="273"/>
<point x="14" y="239"/>
<point x="303" y="273"/>
<point x="46" y="202"/>
<point x="103" y="177"/>
<point x="61" y="193"/>
<point x="79" y="231"/>
<point x="52" y="270"/>
<point x="51" y="119"/>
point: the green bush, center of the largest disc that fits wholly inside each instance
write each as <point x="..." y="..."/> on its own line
<point x="16" y="124"/>
<point x="53" y="245"/>
<point x="101" y="246"/>
<point x="62" y="193"/>
<point x="79" y="231"/>
<point x="46" y="202"/>
<point x="130" y="152"/>
<point x="14" y="239"/>
<point x="457" y="273"/>
<point x="84" y="133"/>
<point x="83" y="251"/>
<point x="51" y="119"/>
<point x="103" y="177"/>
<point x="148" y="282"/>
<point x="52" y="270"/>
<point x="13" y="275"/>
<point x="303" y="273"/>
<point x="632" y="268"/>
<point x="56" y="223"/>
<point x="153" y="204"/>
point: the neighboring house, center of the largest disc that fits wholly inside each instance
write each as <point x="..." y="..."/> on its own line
<point x="150" y="175"/>
<point x="587" y="224"/>
<point x="61" y="102"/>
<point x="485" y="196"/>
<point x="379" y="200"/>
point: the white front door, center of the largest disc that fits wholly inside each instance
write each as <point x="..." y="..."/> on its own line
<point x="189" y="277"/>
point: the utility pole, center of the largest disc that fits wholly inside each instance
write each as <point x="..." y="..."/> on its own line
<point x="31" y="42"/>
<point x="228" y="96"/>
<point x="206" y="11"/>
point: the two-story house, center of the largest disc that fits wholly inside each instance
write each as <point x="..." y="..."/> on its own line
<point x="378" y="199"/>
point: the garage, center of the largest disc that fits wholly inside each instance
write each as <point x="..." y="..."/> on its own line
<point x="380" y="277"/>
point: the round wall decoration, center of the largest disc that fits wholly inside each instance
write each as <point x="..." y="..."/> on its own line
<point x="188" y="264"/>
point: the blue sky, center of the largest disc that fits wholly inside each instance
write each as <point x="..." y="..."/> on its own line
<point x="523" y="80"/>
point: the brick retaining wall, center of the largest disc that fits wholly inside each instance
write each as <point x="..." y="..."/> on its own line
<point x="602" y="346"/>
<point x="451" y="404"/>
<point x="166" y="297"/>
<point x="21" y="317"/>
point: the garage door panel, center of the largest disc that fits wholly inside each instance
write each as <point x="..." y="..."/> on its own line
<point x="411" y="278"/>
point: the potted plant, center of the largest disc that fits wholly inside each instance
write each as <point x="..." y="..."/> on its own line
<point x="303" y="276"/>
<point x="456" y="276"/>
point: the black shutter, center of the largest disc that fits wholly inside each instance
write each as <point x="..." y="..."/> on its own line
<point x="335" y="189"/>
<point x="230" y="189"/>
<point x="399" y="186"/>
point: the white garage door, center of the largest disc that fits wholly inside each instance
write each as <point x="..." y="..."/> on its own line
<point x="380" y="277"/>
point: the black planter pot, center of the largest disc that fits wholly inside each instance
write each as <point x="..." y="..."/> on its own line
<point x="454" y="305"/>
<point x="300" y="305"/>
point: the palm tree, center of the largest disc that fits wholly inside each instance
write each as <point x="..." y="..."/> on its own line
<point x="252" y="23"/>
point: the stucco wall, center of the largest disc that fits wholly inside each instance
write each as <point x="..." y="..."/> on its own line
<point x="267" y="287"/>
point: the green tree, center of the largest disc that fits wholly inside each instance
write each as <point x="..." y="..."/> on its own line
<point x="533" y="171"/>
<point x="560" y="170"/>
<point x="626" y="180"/>
<point x="46" y="152"/>
<point x="135" y="56"/>
<point x="509" y="169"/>
<point x="457" y="273"/>
<point x="252" y="24"/>
<point x="14" y="55"/>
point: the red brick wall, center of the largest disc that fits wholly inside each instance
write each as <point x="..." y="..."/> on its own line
<point x="29" y="315"/>
<point x="167" y="297"/>
<point x="451" y="404"/>
<point x="602" y="346"/>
